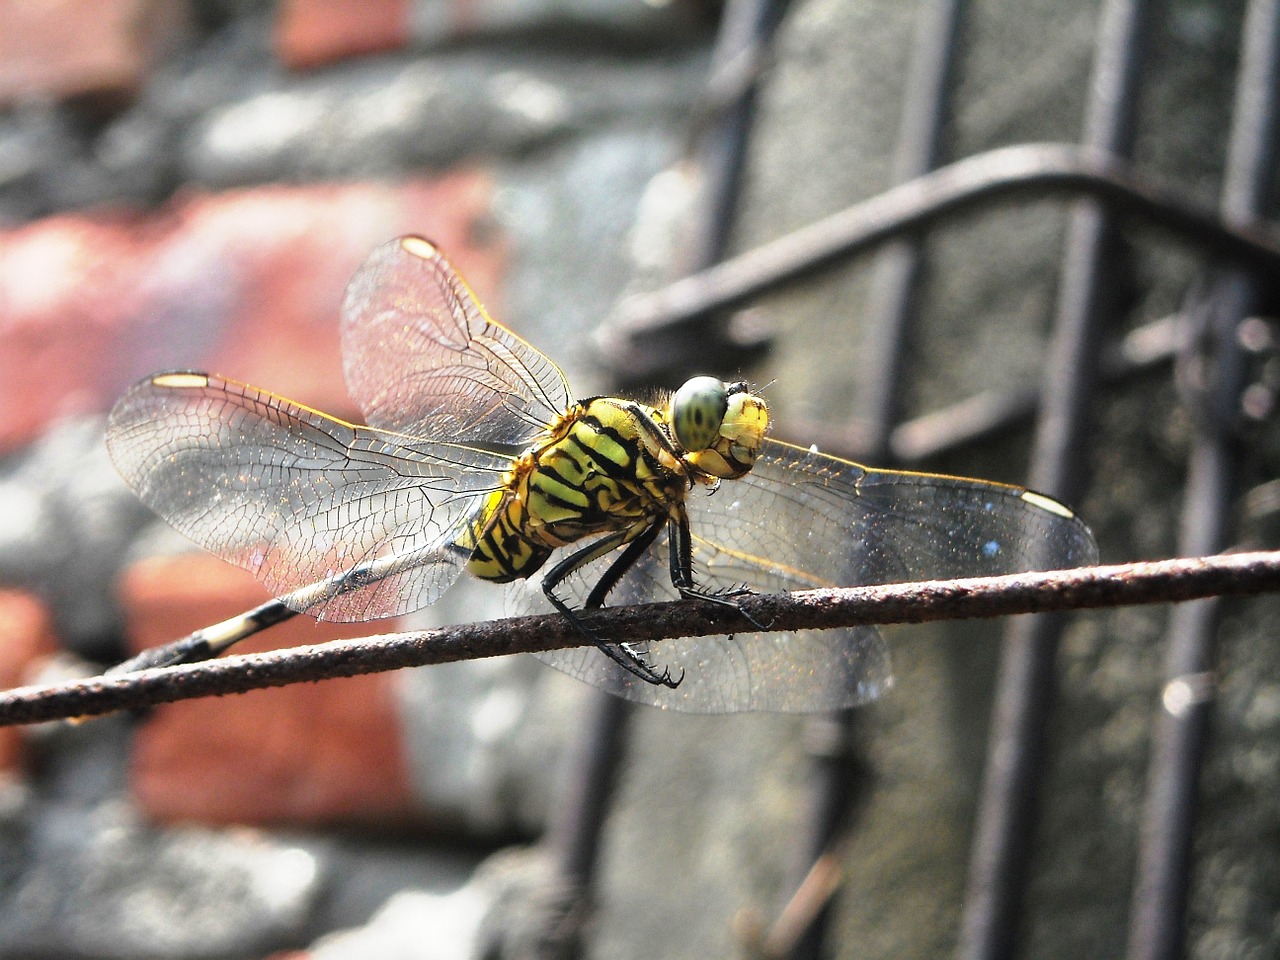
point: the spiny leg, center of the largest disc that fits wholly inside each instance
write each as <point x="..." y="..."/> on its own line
<point x="609" y="579"/>
<point x="682" y="573"/>
<point x="626" y="560"/>
<point x="618" y="653"/>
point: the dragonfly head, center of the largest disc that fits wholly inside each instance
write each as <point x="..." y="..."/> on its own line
<point x="721" y="425"/>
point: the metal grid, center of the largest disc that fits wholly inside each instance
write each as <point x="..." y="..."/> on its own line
<point x="653" y="334"/>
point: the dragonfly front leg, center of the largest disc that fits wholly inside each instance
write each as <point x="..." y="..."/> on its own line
<point x="682" y="573"/>
<point x="620" y="653"/>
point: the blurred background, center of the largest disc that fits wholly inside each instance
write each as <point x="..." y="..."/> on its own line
<point x="190" y="184"/>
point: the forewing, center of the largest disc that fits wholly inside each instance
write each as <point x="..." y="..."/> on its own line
<point x="423" y="357"/>
<point x="296" y="497"/>
<point x="838" y="523"/>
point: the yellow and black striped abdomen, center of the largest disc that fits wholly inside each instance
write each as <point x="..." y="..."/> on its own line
<point x="594" y="474"/>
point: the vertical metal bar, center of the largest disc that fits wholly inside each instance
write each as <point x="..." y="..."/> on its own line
<point x="575" y="832"/>
<point x="926" y="109"/>
<point x="1026" y="684"/>
<point x="899" y="267"/>
<point x="745" y="31"/>
<point x="1157" y="925"/>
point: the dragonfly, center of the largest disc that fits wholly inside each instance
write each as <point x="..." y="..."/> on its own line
<point x="475" y="458"/>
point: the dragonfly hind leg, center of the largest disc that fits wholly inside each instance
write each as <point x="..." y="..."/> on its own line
<point x="619" y="653"/>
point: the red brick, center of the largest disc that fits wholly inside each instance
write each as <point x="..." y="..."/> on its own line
<point x="62" y="287"/>
<point x="245" y="283"/>
<point x="26" y="640"/>
<point x="66" y="48"/>
<point x="307" y="754"/>
<point x="309" y="33"/>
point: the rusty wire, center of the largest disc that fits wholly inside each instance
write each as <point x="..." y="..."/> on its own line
<point x="1165" y="581"/>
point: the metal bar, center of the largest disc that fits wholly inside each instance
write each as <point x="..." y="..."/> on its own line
<point x="1158" y="922"/>
<point x="575" y="833"/>
<point x="746" y="29"/>
<point x="1161" y="581"/>
<point x="926" y="102"/>
<point x="899" y="270"/>
<point x="1026" y="684"/>
<point x="1039" y="169"/>
<point x="992" y="412"/>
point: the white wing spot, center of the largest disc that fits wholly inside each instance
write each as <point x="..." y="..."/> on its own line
<point x="1046" y="503"/>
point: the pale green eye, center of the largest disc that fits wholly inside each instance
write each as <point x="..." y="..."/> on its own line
<point x="697" y="411"/>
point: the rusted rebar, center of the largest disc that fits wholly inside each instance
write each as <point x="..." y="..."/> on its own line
<point x="1165" y="581"/>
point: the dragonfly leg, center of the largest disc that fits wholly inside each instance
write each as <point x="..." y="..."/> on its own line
<point x="657" y="438"/>
<point x="682" y="574"/>
<point x="619" y="653"/>
<point x="626" y="560"/>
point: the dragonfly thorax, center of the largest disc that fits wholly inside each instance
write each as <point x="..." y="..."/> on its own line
<point x="605" y="466"/>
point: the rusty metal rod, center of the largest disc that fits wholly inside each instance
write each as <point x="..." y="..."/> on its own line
<point x="836" y="768"/>
<point x="896" y="282"/>
<point x="1163" y="581"/>
<point x="1026" y="685"/>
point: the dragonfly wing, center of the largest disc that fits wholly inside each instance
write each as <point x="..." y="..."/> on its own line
<point x="837" y="523"/>
<point x="423" y="357"/>
<point x="800" y="520"/>
<point x="296" y="497"/>
<point x="794" y="672"/>
<point x="786" y="672"/>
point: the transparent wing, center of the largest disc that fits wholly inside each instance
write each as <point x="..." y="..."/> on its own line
<point x="801" y="519"/>
<point x="795" y="672"/>
<point x="838" y="523"/>
<point x="423" y="357"/>
<point x="298" y="498"/>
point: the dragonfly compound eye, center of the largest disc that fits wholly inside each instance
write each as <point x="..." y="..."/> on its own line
<point x="741" y="437"/>
<point x="697" y="411"/>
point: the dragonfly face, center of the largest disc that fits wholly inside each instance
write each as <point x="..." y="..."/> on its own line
<point x="725" y="441"/>
<point x="476" y="458"/>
